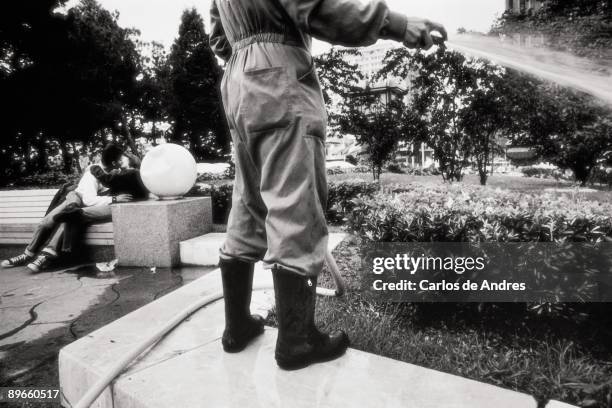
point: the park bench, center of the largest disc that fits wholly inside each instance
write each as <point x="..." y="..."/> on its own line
<point x="142" y="233"/>
<point x="22" y="210"/>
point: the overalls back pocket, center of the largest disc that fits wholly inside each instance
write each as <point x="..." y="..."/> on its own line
<point x="265" y="99"/>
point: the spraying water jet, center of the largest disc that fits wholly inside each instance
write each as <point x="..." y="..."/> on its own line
<point x="566" y="70"/>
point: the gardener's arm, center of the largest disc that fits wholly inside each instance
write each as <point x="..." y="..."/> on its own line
<point x="218" y="41"/>
<point x="351" y="23"/>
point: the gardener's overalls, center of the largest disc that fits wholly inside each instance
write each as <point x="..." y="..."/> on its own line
<point x="277" y="119"/>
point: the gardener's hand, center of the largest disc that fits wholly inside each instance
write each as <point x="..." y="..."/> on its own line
<point x="123" y="198"/>
<point x="418" y="33"/>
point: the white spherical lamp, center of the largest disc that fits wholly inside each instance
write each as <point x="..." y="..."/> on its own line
<point x="169" y="171"/>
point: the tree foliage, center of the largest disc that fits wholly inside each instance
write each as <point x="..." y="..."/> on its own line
<point x="441" y="87"/>
<point x="487" y="118"/>
<point x="67" y="76"/>
<point x="376" y="124"/>
<point x="337" y="76"/>
<point x="194" y="106"/>
<point x="566" y="128"/>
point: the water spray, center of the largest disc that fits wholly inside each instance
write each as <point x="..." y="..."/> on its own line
<point x="566" y="70"/>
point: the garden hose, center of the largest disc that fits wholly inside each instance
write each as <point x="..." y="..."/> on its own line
<point x="97" y="389"/>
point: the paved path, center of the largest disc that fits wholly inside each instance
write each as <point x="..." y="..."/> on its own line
<point x="41" y="313"/>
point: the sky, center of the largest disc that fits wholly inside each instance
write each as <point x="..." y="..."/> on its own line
<point x="158" y="20"/>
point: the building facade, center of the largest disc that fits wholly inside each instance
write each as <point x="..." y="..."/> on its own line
<point x="524" y="6"/>
<point x="369" y="63"/>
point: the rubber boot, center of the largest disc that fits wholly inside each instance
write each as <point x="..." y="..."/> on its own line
<point x="240" y="326"/>
<point x="300" y="343"/>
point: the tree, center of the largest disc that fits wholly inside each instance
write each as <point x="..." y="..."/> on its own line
<point x="154" y="87"/>
<point x="194" y="102"/>
<point x="441" y="86"/>
<point x="337" y="76"/>
<point x="375" y="124"/>
<point x="102" y="66"/>
<point x="567" y="128"/>
<point x="27" y="30"/>
<point x="67" y="77"/>
<point x="487" y="116"/>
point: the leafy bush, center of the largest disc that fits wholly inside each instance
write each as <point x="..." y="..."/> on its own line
<point x="341" y="197"/>
<point x="50" y="179"/>
<point x="395" y="168"/>
<point x="427" y="171"/>
<point x="230" y="173"/>
<point x="544" y="173"/>
<point x="362" y="169"/>
<point x="204" y="177"/>
<point x="602" y="175"/>
<point x="336" y="171"/>
<point x="221" y="199"/>
<point x="477" y="215"/>
<point x="472" y="214"/>
<point x="352" y="160"/>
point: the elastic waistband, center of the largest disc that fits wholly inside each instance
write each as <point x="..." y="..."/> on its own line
<point x="267" y="38"/>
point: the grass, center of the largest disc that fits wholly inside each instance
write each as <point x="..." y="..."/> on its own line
<point x="505" y="182"/>
<point x="550" y="358"/>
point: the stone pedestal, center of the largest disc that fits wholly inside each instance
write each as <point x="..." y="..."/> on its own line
<point x="148" y="233"/>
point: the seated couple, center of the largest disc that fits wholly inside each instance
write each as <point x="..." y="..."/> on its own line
<point x="115" y="180"/>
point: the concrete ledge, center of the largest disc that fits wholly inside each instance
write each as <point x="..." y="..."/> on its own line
<point x="203" y="251"/>
<point x="189" y="369"/>
<point x="148" y="233"/>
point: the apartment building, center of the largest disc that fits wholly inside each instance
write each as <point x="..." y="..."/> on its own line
<point x="523" y="6"/>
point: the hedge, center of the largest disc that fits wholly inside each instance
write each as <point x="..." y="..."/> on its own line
<point x="340" y="198"/>
<point x="540" y="172"/>
<point x="474" y="214"/>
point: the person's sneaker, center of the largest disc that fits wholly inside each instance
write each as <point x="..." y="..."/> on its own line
<point x="18" y="260"/>
<point x="41" y="262"/>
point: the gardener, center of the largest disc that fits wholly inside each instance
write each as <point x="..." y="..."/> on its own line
<point x="277" y="119"/>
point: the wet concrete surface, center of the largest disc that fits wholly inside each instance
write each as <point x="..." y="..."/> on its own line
<point x="41" y="313"/>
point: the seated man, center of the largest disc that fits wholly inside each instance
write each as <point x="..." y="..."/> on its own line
<point x="123" y="180"/>
<point x="90" y="196"/>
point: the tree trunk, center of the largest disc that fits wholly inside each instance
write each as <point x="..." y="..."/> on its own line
<point x="154" y="133"/>
<point x="78" y="158"/>
<point x="482" y="171"/>
<point x="582" y="174"/>
<point x="67" y="157"/>
<point x="483" y="168"/>
<point x="128" y="135"/>
<point x="42" y="163"/>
